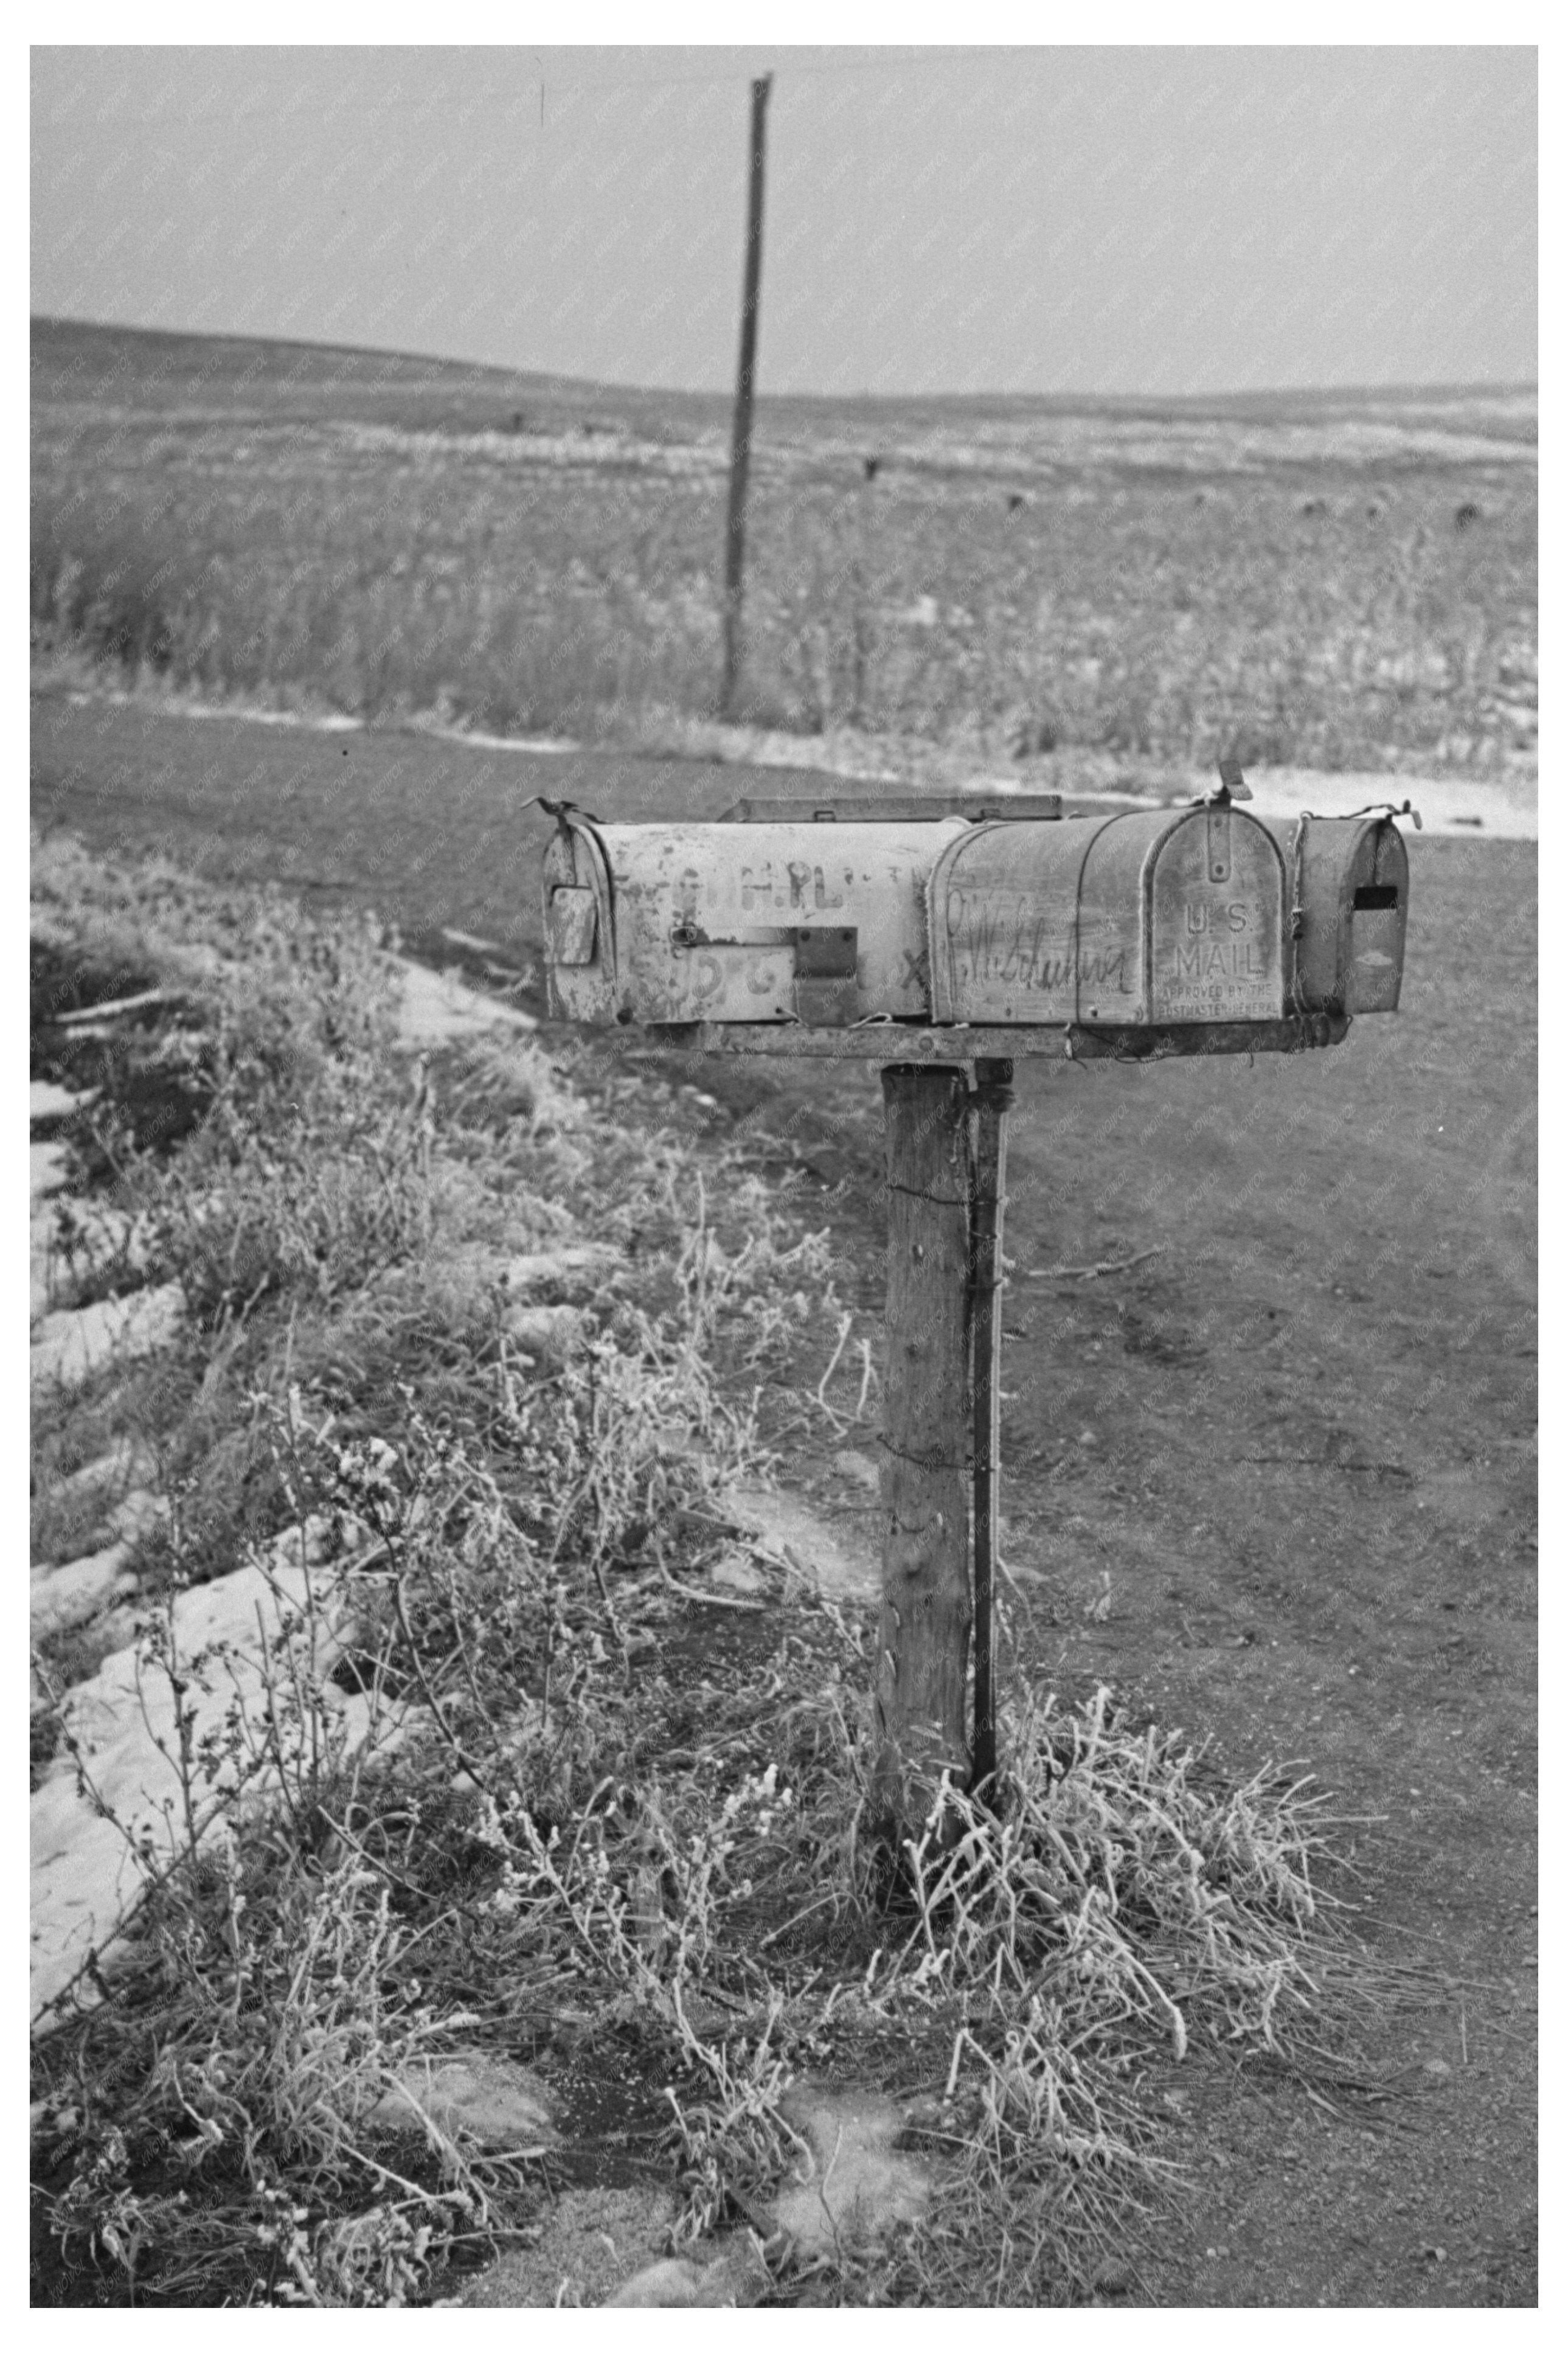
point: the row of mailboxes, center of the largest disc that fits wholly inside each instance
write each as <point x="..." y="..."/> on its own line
<point x="1146" y="918"/>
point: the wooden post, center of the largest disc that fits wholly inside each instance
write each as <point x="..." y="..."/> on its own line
<point x="741" y="439"/>
<point x="923" y="1644"/>
<point x="993" y="1100"/>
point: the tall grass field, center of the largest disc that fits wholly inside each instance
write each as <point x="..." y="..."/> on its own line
<point x="1339" y="581"/>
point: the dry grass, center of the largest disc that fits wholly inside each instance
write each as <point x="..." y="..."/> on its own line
<point x="567" y="1831"/>
<point x="1349" y="587"/>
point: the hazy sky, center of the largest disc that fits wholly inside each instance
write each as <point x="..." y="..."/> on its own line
<point x="1158" y="220"/>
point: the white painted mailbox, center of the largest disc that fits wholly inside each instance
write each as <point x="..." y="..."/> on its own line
<point x="820" y="924"/>
<point x="941" y="939"/>
<point x="814" y="934"/>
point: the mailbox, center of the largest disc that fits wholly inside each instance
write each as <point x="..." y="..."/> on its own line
<point x="1148" y="917"/>
<point x="1349" y="879"/>
<point x="818" y="923"/>
<point x="913" y="916"/>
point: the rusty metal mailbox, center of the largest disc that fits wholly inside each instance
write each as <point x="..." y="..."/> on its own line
<point x="1350" y="881"/>
<point x="914" y="918"/>
<point x="1148" y="917"/>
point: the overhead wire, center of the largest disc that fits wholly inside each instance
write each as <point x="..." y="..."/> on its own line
<point x="562" y="84"/>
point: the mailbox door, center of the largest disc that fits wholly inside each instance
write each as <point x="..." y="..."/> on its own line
<point x="818" y="923"/>
<point x="579" y="933"/>
<point x="1215" y="918"/>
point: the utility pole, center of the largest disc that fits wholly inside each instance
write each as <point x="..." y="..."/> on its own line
<point x="740" y="441"/>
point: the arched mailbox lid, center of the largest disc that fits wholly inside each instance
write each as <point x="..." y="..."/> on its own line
<point x="1150" y="916"/>
<point x="579" y="931"/>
